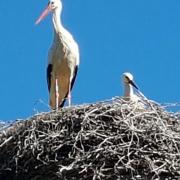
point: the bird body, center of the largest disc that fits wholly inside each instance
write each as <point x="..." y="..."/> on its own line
<point x="128" y="87"/>
<point x="63" y="59"/>
<point x="136" y="97"/>
<point x="130" y="95"/>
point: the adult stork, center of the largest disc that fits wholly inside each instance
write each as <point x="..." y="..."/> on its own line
<point x="63" y="58"/>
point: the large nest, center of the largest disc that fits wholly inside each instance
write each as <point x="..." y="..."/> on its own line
<point x="105" y="140"/>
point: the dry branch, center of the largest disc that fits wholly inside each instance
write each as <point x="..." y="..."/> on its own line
<point x="106" y="140"/>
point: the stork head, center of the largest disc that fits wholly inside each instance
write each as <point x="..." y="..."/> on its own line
<point x="128" y="79"/>
<point x="52" y="6"/>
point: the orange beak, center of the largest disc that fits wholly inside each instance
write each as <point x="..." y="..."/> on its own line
<point x="43" y="15"/>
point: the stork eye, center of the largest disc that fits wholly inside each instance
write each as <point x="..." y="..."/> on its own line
<point x="52" y="2"/>
<point x="127" y="78"/>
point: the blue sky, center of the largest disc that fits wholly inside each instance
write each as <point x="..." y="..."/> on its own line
<point x="141" y="36"/>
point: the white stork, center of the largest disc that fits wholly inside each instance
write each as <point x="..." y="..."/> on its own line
<point x="63" y="58"/>
<point x="128" y="87"/>
<point x="137" y="97"/>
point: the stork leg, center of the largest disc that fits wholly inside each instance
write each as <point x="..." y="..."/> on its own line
<point x="69" y="95"/>
<point x="57" y="94"/>
<point x="69" y="98"/>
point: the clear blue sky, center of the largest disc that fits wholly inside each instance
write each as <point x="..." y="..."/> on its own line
<point x="141" y="36"/>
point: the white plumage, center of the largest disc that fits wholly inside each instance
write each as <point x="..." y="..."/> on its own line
<point x="63" y="58"/>
<point x="129" y="84"/>
<point x="137" y="98"/>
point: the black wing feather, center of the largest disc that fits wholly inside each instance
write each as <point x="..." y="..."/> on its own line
<point x="49" y="71"/>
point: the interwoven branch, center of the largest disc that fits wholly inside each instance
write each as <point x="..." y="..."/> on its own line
<point x="105" y="140"/>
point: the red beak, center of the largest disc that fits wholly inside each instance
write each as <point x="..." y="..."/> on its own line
<point x="43" y="15"/>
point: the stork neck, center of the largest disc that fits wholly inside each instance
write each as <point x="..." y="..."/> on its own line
<point x="128" y="90"/>
<point x="57" y="21"/>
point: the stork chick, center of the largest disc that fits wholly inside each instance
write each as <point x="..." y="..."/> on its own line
<point x="129" y="84"/>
